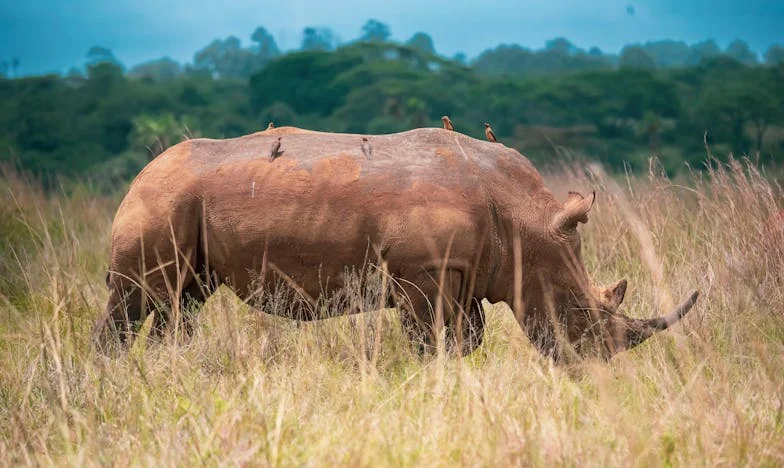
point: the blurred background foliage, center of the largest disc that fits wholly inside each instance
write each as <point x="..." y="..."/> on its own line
<point x="102" y="121"/>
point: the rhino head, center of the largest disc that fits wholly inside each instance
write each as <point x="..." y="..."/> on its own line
<point x="559" y="308"/>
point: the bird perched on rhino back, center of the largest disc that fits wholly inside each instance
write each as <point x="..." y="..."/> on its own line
<point x="270" y="126"/>
<point x="489" y="133"/>
<point x="275" y="149"/>
<point x="447" y="123"/>
<point x="366" y="148"/>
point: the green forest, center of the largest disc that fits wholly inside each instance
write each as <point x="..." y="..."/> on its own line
<point x="102" y="121"/>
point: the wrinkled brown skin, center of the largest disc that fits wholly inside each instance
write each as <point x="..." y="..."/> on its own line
<point x="441" y="208"/>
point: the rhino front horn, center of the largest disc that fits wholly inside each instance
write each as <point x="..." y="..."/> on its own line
<point x="640" y="330"/>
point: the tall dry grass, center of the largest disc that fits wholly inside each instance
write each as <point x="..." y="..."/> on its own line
<point x="251" y="389"/>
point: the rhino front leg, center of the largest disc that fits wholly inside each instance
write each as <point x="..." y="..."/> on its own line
<point x="470" y="327"/>
<point x="126" y="304"/>
<point x="431" y="306"/>
<point x="416" y="330"/>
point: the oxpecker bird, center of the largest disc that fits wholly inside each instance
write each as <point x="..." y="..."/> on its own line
<point x="489" y="133"/>
<point x="447" y="123"/>
<point x="366" y="148"/>
<point x="275" y="149"/>
<point x="270" y="126"/>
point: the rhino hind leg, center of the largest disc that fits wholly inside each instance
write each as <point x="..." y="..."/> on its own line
<point x="171" y="277"/>
<point x="128" y="306"/>
<point x="115" y="327"/>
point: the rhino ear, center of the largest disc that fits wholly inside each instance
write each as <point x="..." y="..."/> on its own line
<point x="614" y="294"/>
<point x="575" y="211"/>
<point x="574" y="197"/>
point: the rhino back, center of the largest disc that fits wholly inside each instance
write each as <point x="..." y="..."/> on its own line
<point x="416" y="153"/>
<point x="325" y="177"/>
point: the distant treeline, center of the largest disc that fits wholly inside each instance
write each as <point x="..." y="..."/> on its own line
<point x="659" y="98"/>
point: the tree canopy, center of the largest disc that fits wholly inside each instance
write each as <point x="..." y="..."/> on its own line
<point x="658" y="98"/>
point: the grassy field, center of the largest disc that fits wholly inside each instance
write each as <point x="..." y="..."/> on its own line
<point x="250" y="389"/>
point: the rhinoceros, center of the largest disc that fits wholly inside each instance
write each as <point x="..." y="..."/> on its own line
<point x="455" y="220"/>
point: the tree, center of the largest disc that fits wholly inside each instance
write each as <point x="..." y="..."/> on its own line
<point x="418" y="110"/>
<point x="517" y="60"/>
<point x="631" y="93"/>
<point x="213" y="56"/>
<point x="304" y="81"/>
<point x="595" y="52"/>
<point x="721" y="67"/>
<point x="741" y="52"/>
<point x="266" y="48"/>
<point x="318" y="39"/>
<point x="160" y="69"/>
<point x="103" y="69"/>
<point x="375" y="31"/>
<point x="157" y="133"/>
<point x="774" y="55"/>
<point x="100" y="54"/>
<point x="650" y="126"/>
<point x="504" y="59"/>
<point x="668" y="53"/>
<point x="561" y="45"/>
<point x="103" y="74"/>
<point x="74" y="72"/>
<point x="74" y="78"/>
<point x="225" y="58"/>
<point x="636" y="57"/>
<point x="278" y="113"/>
<point x="764" y="107"/>
<point x="422" y="42"/>
<point x="563" y="101"/>
<point x="727" y="105"/>
<point x="702" y="51"/>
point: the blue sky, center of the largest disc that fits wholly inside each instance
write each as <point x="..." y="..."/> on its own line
<point x="55" y="35"/>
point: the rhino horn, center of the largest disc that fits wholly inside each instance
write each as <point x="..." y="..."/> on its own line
<point x="637" y="330"/>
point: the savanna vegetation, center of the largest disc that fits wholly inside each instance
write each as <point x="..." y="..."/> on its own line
<point x="252" y="389"/>
<point x="249" y="388"/>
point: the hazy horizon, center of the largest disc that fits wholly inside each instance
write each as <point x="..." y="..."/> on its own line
<point x="53" y="36"/>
